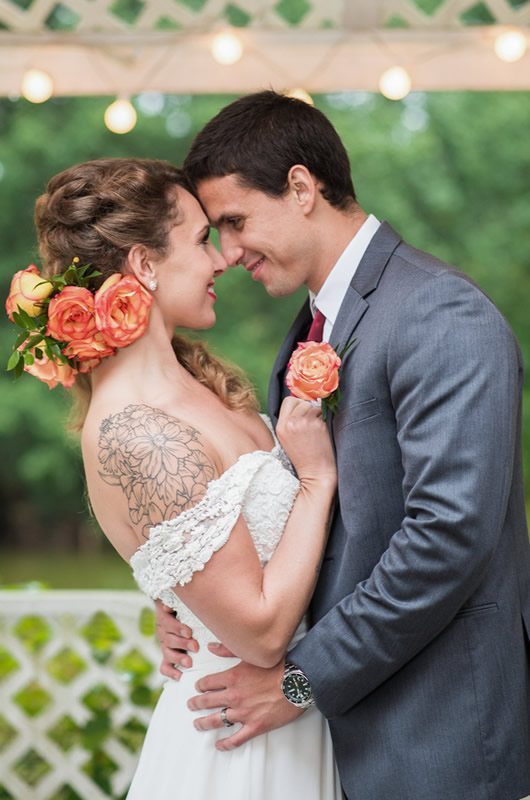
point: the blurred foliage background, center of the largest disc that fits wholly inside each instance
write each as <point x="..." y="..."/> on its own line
<point x="450" y="171"/>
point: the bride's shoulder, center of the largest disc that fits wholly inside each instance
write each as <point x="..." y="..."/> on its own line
<point x="156" y="465"/>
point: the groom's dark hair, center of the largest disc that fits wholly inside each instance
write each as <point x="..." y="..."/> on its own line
<point x="261" y="136"/>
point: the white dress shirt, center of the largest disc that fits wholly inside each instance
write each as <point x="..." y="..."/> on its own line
<point x="329" y="298"/>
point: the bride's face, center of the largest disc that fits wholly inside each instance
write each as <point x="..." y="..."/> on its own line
<point x="186" y="273"/>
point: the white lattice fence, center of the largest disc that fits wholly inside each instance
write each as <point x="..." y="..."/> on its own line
<point x="78" y="678"/>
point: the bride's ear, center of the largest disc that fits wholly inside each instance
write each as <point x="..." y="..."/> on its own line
<point x="140" y="264"/>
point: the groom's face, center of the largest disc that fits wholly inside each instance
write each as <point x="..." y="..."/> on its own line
<point x="262" y="233"/>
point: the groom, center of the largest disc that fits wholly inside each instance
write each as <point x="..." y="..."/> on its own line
<point x="419" y="650"/>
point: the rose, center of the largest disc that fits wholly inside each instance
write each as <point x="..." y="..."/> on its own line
<point x="88" y="366"/>
<point x="71" y="315"/>
<point x="51" y="372"/>
<point x="27" y="291"/>
<point x="94" y="347"/>
<point x="122" y="307"/>
<point x="313" y="371"/>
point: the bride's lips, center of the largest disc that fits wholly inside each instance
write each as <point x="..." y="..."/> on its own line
<point x="211" y="292"/>
<point x="255" y="268"/>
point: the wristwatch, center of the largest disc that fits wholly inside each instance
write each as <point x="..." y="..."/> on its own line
<point x="296" y="687"/>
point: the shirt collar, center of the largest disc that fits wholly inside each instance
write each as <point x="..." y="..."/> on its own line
<point x="333" y="290"/>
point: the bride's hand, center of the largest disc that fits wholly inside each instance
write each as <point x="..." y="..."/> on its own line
<point x="305" y="438"/>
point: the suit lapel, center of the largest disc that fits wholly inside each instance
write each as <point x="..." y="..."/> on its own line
<point x="296" y="333"/>
<point x="364" y="282"/>
<point x="353" y="307"/>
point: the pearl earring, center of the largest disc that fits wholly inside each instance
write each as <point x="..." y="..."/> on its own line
<point x="153" y="285"/>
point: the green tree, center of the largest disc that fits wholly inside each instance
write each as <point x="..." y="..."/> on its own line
<point x="450" y="171"/>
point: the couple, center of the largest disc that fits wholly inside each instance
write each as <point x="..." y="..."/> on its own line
<point x="417" y="652"/>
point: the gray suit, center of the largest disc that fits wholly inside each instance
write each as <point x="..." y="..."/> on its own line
<point x="419" y="651"/>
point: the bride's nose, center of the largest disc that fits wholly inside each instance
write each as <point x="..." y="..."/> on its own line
<point x="220" y="264"/>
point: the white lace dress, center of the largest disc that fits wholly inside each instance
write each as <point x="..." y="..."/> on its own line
<point x="178" y="762"/>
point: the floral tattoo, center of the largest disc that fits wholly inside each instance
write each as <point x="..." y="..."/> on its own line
<point x="157" y="461"/>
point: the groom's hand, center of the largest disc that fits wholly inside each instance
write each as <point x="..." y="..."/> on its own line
<point x="176" y="642"/>
<point x="252" y="697"/>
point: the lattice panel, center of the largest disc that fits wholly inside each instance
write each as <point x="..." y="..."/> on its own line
<point x="450" y="14"/>
<point x="32" y="16"/>
<point x="78" y="678"/>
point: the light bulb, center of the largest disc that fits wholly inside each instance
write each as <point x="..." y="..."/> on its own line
<point x="510" y="45"/>
<point x="120" y="116"/>
<point x="300" y="94"/>
<point x="226" y="48"/>
<point x="37" y="86"/>
<point x="395" y="83"/>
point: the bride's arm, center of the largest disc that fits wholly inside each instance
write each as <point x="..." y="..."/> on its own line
<point x="255" y="611"/>
<point x="161" y="468"/>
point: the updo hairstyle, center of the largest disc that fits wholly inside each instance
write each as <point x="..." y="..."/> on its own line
<point x="97" y="211"/>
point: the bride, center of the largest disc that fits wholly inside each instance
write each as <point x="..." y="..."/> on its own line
<point x="186" y="479"/>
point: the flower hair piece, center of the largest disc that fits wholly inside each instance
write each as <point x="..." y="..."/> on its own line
<point x="66" y="327"/>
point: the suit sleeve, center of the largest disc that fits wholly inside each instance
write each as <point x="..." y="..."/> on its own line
<point x="454" y="376"/>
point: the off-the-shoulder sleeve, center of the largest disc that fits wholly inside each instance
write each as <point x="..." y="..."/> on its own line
<point x="178" y="548"/>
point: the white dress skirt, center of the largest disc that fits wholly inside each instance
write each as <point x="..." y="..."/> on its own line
<point x="178" y="762"/>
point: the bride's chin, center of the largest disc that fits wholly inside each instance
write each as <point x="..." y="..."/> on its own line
<point x="202" y="324"/>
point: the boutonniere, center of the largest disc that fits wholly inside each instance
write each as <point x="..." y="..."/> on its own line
<point x="313" y="373"/>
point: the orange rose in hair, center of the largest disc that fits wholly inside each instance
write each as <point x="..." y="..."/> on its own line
<point x="51" y="372"/>
<point x="28" y="290"/>
<point x="122" y="307"/>
<point x="313" y="371"/>
<point x="94" y="347"/>
<point x="71" y="315"/>
<point x="88" y="366"/>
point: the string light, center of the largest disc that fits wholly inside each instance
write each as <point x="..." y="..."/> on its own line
<point x="37" y="86"/>
<point x="120" y="116"/>
<point x="395" y="83"/>
<point x="226" y="48"/>
<point x="510" y="45"/>
<point x="300" y="94"/>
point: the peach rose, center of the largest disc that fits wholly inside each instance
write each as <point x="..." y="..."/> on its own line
<point x="88" y="366"/>
<point x="94" y="347"/>
<point x="28" y="289"/>
<point x="51" y="372"/>
<point x="313" y="371"/>
<point x="122" y="307"/>
<point x="71" y="315"/>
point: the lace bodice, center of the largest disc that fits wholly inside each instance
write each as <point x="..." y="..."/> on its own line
<point x="260" y="485"/>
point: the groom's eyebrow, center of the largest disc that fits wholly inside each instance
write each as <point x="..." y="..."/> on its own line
<point x="225" y="218"/>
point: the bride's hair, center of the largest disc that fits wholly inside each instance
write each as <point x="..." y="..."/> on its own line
<point x="96" y="212"/>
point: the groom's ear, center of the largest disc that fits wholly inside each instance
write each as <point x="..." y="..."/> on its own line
<point x="139" y="263"/>
<point x="302" y="187"/>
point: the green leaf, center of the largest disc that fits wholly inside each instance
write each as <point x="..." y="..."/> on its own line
<point x="38" y="352"/>
<point x="35" y="340"/>
<point x="20" y="339"/>
<point x="19" y="369"/>
<point x="14" y="358"/>
<point x="23" y="320"/>
<point x="28" y="357"/>
<point x="70" y="276"/>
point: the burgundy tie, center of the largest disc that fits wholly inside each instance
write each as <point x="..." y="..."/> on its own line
<point x="317" y="327"/>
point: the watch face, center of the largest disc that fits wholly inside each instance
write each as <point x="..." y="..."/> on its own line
<point x="296" y="688"/>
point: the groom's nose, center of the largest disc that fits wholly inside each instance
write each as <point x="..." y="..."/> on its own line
<point x="230" y="248"/>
